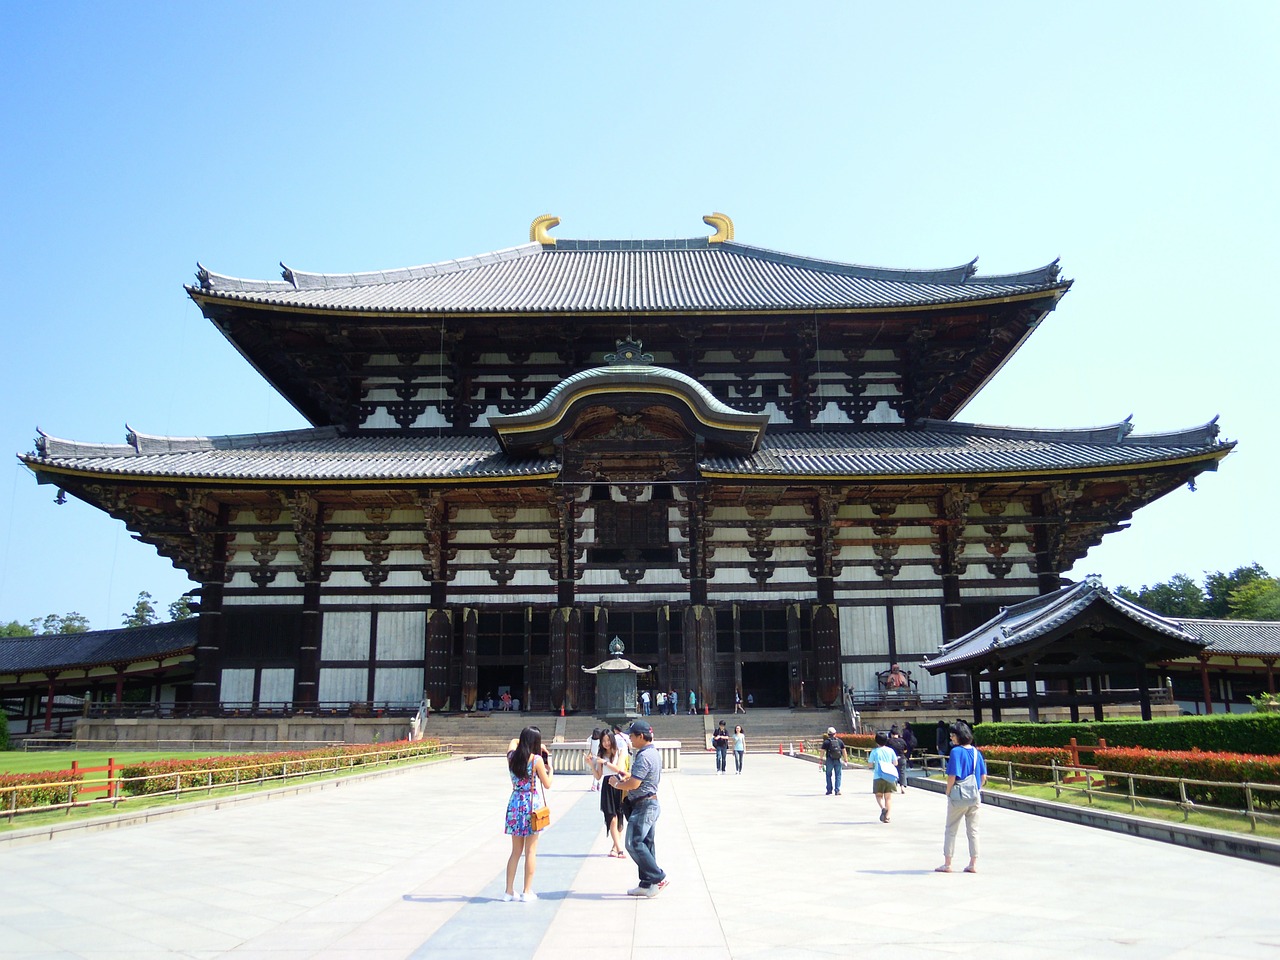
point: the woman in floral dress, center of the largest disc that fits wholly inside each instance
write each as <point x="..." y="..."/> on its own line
<point x="528" y="765"/>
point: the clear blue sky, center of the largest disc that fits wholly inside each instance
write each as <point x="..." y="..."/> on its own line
<point x="1136" y="141"/>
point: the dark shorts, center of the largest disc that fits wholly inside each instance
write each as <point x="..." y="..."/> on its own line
<point x="883" y="786"/>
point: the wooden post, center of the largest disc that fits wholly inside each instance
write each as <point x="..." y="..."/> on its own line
<point x="1204" y="683"/>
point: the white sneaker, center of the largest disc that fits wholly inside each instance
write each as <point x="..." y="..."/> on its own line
<point x="528" y="897"/>
<point x="508" y="897"/>
<point x="638" y="892"/>
<point x="657" y="888"/>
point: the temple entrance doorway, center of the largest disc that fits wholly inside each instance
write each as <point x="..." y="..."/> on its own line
<point x="767" y="684"/>
<point x="493" y="680"/>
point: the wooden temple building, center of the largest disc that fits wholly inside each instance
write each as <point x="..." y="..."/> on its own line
<point x="748" y="465"/>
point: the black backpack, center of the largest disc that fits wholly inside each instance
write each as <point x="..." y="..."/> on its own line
<point x="835" y="748"/>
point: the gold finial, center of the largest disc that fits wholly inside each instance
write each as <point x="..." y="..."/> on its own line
<point x="723" y="225"/>
<point x="538" y="229"/>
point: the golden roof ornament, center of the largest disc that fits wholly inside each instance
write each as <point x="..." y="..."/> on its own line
<point x="723" y="225"/>
<point x="538" y="230"/>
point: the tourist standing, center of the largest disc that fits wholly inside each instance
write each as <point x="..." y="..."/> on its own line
<point x="611" y="758"/>
<point x="644" y="702"/>
<point x="900" y="748"/>
<point x="739" y="745"/>
<point x="529" y="767"/>
<point x="833" y="764"/>
<point x="884" y="765"/>
<point x="593" y="748"/>
<point x="942" y="740"/>
<point x="720" y="740"/>
<point x="673" y="702"/>
<point x="966" y="776"/>
<point x="642" y="820"/>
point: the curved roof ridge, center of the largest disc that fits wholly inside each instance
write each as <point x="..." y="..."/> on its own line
<point x="1101" y="433"/>
<point x="955" y="275"/>
<point x="308" y="280"/>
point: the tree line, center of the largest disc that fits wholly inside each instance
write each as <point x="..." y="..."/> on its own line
<point x="143" y="613"/>
<point x="1246" y="593"/>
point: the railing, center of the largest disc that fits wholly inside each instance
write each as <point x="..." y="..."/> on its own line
<point x="279" y="709"/>
<point x="186" y="782"/>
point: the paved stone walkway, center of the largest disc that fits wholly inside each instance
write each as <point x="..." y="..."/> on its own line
<point x="763" y="865"/>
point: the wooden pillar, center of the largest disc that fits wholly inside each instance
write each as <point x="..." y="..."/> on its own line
<point x="119" y="684"/>
<point x="1074" y="694"/>
<point x="995" y="698"/>
<point x="795" y="654"/>
<point x="206" y="687"/>
<point x="48" y="703"/>
<point x="439" y="650"/>
<point x="470" y="674"/>
<point x="308" y="523"/>
<point x="1033" y="697"/>
<point x="975" y="687"/>
<point x="1204" y="683"/>
<point x="826" y="648"/>
<point x="700" y="654"/>
<point x="566" y="636"/>
<point x="1144" y="693"/>
<point x="697" y="554"/>
<point x="1096" y="683"/>
<point x="1271" y="674"/>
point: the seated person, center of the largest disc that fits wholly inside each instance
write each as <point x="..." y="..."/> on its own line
<point x="896" y="680"/>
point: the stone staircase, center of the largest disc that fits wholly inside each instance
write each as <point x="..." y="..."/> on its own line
<point x="488" y="734"/>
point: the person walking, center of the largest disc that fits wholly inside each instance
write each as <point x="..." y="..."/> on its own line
<point x="737" y="702"/>
<point x="833" y="765"/>
<point x="739" y="745"/>
<point x="942" y="740"/>
<point x="528" y="765"/>
<point x="900" y="748"/>
<point x="720" y="740"/>
<point x="884" y="764"/>
<point x="966" y="776"/>
<point x="693" y="702"/>
<point x="611" y="758"/>
<point x="642" y="801"/>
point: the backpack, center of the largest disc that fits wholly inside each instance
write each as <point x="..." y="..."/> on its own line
<point x="834" y="747"/>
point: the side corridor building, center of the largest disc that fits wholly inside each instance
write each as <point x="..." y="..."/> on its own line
<point x="746" y="464"/>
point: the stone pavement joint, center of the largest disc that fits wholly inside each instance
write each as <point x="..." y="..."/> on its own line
<point x="764" y="865"/>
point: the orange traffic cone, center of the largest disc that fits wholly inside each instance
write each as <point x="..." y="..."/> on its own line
<point x="562" y="709"/>
<point x="780" y="748"/>
<point x="801" y="746"/>
<point x="706" y="710"/>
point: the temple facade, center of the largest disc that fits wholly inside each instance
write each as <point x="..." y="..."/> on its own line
<point x="748" y="465"/>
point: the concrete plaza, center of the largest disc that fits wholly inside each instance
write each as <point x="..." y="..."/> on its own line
<point x="763" y="865"/>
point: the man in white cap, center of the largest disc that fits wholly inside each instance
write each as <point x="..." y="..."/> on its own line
<point x="833" y="751"/>
<point x="642" y="801"/>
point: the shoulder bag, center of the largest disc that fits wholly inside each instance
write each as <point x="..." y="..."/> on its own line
<point x="541" y="818"/>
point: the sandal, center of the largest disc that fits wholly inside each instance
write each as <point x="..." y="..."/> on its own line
<point x="970" y="869"/>
<point x="941" y="869"/>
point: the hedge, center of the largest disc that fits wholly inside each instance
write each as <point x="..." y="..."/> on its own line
<point x="1029" y="763"/>
<point x="1197" y="765"/>
<point x="1248" y="733"/>
<point x="4" y="730"/>
<point x="168" y="775"/>
<point x="38" y="794"/>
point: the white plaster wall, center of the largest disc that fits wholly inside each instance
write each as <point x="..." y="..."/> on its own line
<point x="917" y="629"/>
<point x="402" y="634"/>
<point x="343" y="684"/>
<point x="277" y="685"/>
<point x="398" y="685"/>
<point x="237" y="686"/>
<point x="344" y="635"/>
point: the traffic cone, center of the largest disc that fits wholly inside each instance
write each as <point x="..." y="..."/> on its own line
<point x="780" y="750"/>
<point x="802" y="746"/>
<point x="706" y="710"/>
<point x="562" y="709"/>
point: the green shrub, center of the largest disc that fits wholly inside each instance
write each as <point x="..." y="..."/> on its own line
<point x="1196" y="765"/>
<point x="1029" y="763"/>
<point x="169" y="775"/>
<point x="1249" y="733"/>
<point x="39" y="789"/>
<point x="4" y="730"/>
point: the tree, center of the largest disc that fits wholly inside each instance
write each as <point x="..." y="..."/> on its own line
<point x="15" y="629"/>
<point x="180" y="609"/>
<point x="1219" y="586"/>
<point x="143" y="612"/>
<point x="1258" y="599"/>
<point x="52" y="624"/>
<point x="1180" y="596"/>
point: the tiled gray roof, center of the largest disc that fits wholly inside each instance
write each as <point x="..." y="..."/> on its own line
<point x="946" y="447"/>
<point x="1018" y="624"/>
<point x="295" y="455"/>
<point x="321" y="454"/>
<point x="1257" y="638"/>
<point x="610" y="275"/>
<point x="97" y="647"/>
